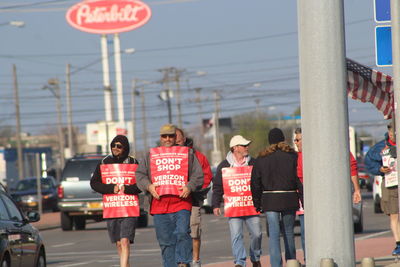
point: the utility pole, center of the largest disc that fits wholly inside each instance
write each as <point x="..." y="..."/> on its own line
<point x="328" y="223"/>
<point x="133" y="116"/>
<point x="199" y="107"/>
<point x="39" y="183"/>
<point x="178" y="95"/>
<point x="69" y="112"/>
<point x="54" y="86"/>
<point x="216" y="155"/>
<point x="167" y="90"/>
<point x="144" y="124"/>
<point x="18" y="126"/>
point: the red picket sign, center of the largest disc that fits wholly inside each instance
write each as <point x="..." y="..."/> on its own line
<point x="169" y="168"/>
<point x="238" y="200"/>
<point x="119" y="205"/>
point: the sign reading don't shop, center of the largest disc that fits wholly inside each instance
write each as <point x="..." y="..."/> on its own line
<point x="108" y="16"/>
<point x="119" y="205"/>
<point x="169" y="169"/>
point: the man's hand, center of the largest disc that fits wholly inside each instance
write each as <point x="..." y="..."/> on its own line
<point x="385" y="169"/>
<point x="185" y="191"/>
<point x="116" y="189"/>
<point x="122" y="188"/>
<point x="356" y="196"/>
<point x="217" y="211"/>
<point x="152" y="190"/>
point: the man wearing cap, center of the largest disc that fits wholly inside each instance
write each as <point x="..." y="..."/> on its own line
<point x="238" y="156"/>
<point x="171" y="210"/>
<point x="375" y="165"/>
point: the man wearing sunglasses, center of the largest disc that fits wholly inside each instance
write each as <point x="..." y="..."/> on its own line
<point x="171" y="212"/>
<point x="120" y="230"/>
<point x="238" y="156"/>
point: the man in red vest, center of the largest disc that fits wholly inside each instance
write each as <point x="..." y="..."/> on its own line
<point x="171" y="210"/>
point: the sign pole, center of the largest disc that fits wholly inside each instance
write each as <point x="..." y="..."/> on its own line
<point x="328" y="218"/>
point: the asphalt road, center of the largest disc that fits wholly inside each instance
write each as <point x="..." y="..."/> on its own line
<point x="92" y="247"/>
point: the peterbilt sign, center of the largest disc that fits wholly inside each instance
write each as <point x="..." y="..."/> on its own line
<point x="108" y="16"/>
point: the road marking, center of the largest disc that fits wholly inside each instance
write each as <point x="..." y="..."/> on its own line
<point x="372" y="235"/>
<point x="77" y="264"/>
<point x="63" y="245"/>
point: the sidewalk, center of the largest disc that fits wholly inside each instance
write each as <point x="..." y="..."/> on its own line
<point x="378" y="248"/>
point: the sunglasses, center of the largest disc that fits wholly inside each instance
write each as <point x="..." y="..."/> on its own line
<point x="296" y="140"/>
<point x="168" y="135"/>
<point x="119" y="146"/>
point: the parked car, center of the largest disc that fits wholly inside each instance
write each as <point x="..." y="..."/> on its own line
<point x="24" y="192"/>
<point x="78" y="202"/>
<point x="377" y="193"/>
<point x="20" y="242"/>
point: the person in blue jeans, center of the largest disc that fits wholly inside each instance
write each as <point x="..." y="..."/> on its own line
<point x="276" y="189"/>
<point x="238" y="156"/>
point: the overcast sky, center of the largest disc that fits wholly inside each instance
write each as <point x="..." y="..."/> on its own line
<point x="247" y="50"/>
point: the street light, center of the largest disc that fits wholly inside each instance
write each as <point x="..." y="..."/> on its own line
<point x="54" y="86"/>
<point x="15" y="23"/>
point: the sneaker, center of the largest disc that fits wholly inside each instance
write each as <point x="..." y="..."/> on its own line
<point x="238" y="265"/>
<point x="256" y="263"/>
<point x="396" y="251"/>
<point x="183" y="265"/>
<point x="196" y="264"/>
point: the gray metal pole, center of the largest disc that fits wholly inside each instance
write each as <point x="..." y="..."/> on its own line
<point x="18" y="127"/>
<point x="328" y="216"/>
<point x="178" y="96"/>
<point x="38" y="183"/>
<point x="395" y="13"/>
<point x="133" y="116"/>
<point x="69" y="111"/>
<point x="144" y="122"/>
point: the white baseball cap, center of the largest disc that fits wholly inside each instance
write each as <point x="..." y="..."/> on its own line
<point x="238" y="140"/>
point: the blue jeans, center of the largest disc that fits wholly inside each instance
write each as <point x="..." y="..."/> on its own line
<point x="173" y="235"/>
<point x="273" y="219"/>
<point x="303" y="244"/>
<point x="236" y="229"/>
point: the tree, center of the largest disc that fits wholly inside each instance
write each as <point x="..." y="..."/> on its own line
<point x="254" y="127"/>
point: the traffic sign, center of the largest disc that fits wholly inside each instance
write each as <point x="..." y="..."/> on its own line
<point x="382" y="11"/>
<point x="383" y="46"/>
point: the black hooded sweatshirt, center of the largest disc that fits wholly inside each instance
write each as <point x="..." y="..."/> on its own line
<point x="96" y="181"/>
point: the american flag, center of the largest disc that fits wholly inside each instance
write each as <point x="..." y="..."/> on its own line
<point x="368" y="85"/>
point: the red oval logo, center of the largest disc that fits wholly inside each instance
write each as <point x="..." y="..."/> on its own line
<point x="106" y="17"/>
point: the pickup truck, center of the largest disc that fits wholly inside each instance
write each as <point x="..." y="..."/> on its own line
<point x="77" y="200"/>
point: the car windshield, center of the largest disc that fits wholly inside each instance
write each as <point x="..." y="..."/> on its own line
<point x="30" y="184"/>
<point x="83" y="169"/>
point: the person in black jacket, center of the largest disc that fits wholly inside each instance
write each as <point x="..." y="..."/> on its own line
<point x="120" y="230"/>
<point x="276" y="190"/>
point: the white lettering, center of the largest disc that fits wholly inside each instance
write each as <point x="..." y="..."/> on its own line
<point x="116" y="13"/>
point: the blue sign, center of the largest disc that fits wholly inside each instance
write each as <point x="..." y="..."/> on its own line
<point x="383" y="46"/>
<point x="382" y="10"/>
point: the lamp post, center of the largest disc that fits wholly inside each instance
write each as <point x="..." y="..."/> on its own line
<point x="54" y="86"/>
<point x="14" y="23"/>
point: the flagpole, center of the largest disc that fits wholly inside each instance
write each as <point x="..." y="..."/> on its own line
<point x="395" y="12"/>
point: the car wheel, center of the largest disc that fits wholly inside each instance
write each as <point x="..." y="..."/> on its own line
<point x="207" y="209"/>
<point x="41" y="262"/>
<point x="80" y="223"/>
<point x="377" y="205"/>
<point x="143" y="220"/>
<point x="5" y="262"/>
<point x="358" y="227"/>
<point x="66" y="221"/>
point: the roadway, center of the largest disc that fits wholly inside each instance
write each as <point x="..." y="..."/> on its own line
<point x="92" y="247"/>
